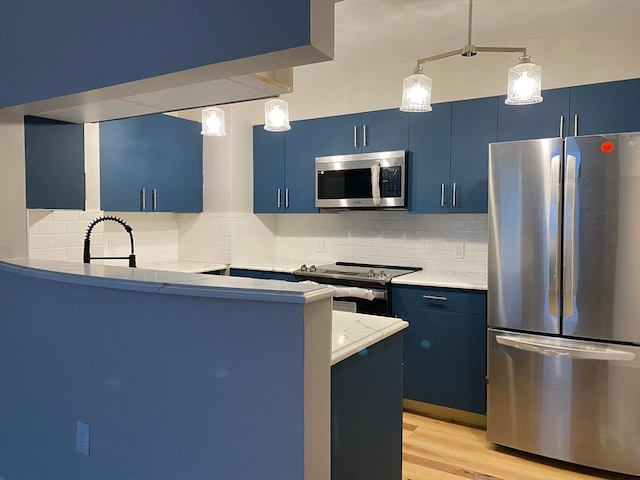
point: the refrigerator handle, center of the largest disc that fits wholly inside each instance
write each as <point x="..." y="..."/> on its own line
<point x="572" y="352"/>
<point x="570" y="235"/>
<point x="575" y="125"/>
<point x="561" y="126"/>
<point x="554" y="247"/>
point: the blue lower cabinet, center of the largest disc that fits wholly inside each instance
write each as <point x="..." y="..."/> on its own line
<point x="366" y="413"/>
<point x="444" y="347"/>
<point x="151" y="163"/>
<point x="54" y="164"/>
<point x="264" y="274"/>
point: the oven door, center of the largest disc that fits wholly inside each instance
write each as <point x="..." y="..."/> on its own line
<point x="373" y="301"/>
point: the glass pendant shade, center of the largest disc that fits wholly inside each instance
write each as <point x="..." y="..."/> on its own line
<point x="276" y="115"/>
<point x="213" y="122"/>
<point x="416" y="92"/>
<point x="524" y="83"/>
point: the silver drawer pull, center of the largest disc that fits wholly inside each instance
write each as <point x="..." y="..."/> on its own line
<point x="434" y="297"/>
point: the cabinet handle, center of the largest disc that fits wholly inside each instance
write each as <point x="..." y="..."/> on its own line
<point x="434" y="297"/>
<point x="575" y="125"/>
<point x="154" y="196"/>
<point x="355" y="136"/>
<point x="143" y="200"/>
<point x="442" y="194"/>
<point x="561" y="126"/>
<point x="454" y="196"/>
<point x="364" y="135"/>
<point x="278" y="198"/>
<point x="286" y="198"/>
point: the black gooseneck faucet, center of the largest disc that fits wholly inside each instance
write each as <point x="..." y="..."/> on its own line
<point x="87" y="241"/>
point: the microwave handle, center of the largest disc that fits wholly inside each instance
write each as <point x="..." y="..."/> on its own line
<point x="375" y="183"/>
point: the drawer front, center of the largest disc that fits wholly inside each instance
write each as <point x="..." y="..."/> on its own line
<point x="442" y="299"/>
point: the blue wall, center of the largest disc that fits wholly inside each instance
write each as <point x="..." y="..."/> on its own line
<point x="172" y="387"/>
<point x="55" y="48"/>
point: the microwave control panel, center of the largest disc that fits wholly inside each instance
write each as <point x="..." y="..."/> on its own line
<point x="390" y="182"/>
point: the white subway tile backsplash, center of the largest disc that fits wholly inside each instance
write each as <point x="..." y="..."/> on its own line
<point x="391" y="237"/>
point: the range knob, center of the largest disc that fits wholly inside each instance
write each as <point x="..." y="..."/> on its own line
<point x="312" y="268"/>
<point x="382" y="274"/>
<point x="371" y="273"/>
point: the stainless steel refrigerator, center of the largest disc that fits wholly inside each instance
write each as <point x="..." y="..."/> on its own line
<point x="564" y="299"/>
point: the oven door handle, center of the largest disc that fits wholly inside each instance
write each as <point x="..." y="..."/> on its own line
<point x="359" y="292"/>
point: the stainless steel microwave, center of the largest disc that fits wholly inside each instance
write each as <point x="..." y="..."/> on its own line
<point x="365" y="180"/>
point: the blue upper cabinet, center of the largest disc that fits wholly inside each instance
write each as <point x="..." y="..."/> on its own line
<point x="430" y="160"/>
<point x="284" y="163"/>
<point x="385" y="130"/>
<point x="268" y="171"/>
<point x="284" y="167"/>
<point x="52" y="58"/>
<point x="376" y="131"/>
<point x="605" y="108"/>
<point x="449" y="156"/>
<point x="54" y="164"/>
<point x="542" y="120"/>
<point x="151" y="164"/>
<point x="474" y="124"/>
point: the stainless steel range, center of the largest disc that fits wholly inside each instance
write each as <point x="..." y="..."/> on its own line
<point x="359" y="287"/>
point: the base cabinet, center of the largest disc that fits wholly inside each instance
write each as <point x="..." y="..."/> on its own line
<point x="366" y="413"/>
<point x="264" y="274"/>
<point x="444" y="352"/>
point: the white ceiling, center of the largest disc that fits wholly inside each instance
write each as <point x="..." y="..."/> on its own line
<point x="380" y="31"/>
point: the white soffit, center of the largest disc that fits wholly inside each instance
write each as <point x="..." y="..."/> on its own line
<point x="213" y="92"/>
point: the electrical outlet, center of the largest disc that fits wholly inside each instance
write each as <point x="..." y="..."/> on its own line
<point x="82" y="438"/>
<point x="320" y="245"/>
<point x="113" y="248"/>
<point x="458" y="253"/>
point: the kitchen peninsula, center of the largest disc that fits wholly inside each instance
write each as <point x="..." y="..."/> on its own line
<point x="178" y="375"/>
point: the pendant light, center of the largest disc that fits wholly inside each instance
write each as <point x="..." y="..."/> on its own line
<point x="524" y="79"/>
<point x="276" y="115"/>
<point x="416" y="92"/>
<point x="524" y="83"/>
<point x="213" y="122"/>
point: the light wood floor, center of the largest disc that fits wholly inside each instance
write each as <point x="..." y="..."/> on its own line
<point x="439" y="450"/>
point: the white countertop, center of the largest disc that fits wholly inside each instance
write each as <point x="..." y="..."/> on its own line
<point x="268" y="265"/>
<point x="353" y="332"/>
<point x="441" y="278"/>
<point x="186" y="267"/>
<point x="167" y="282"/>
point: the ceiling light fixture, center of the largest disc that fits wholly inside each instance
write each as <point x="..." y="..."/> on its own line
<point x="213" y="122"/>
<point x="523" y="82"/>
<point x="276" y="115"/>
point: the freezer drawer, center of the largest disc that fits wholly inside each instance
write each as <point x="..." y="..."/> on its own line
<point x="566" y="399"/>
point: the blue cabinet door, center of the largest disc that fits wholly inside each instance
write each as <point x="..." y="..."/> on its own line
<point x="340" y="134"/>
<point x="430" y="160"/>
<point x="474" y="124"/>
<point x="444" y="346"/>
<point x="151" y="163"/>
<point x="123" y="169"/>
<point x="268" y="171"/>
<point x="444" y="358"/>
<point x="606" y="108"/>
<point x="54" y="164"/>
<point x="174" y="168"/>
<point x="541" y="120"/>
<point x="385" y="130"/>
<point x="307" y="140"/>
